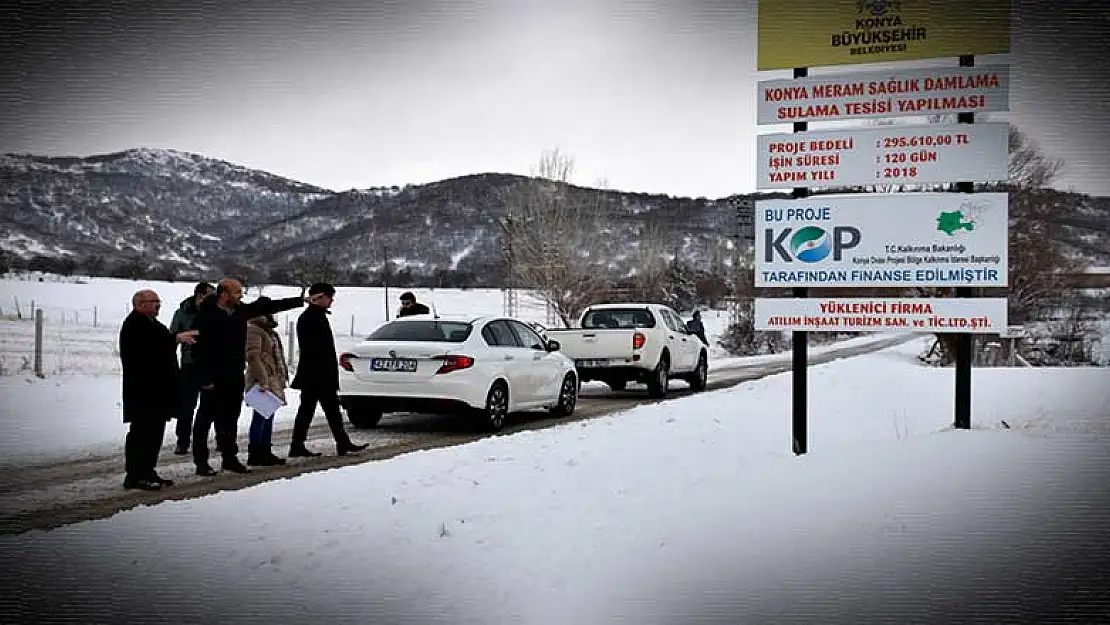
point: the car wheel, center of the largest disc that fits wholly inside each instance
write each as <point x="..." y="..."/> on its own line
<point x="568" y="397"/>
<point x="364" y="419"/>
<point x="657" y="385"/>
<point x="497" y="407"/>
<point x="701" y="374"/>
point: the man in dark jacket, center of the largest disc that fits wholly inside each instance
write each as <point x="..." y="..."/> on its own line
<point x="183" y="319"/>
<point x="318" y="374"/>
<point x="409" y="306"/>
<point x="148" y="355"/>
<point x="697" y="327"/>
<point x="220" y="355"/>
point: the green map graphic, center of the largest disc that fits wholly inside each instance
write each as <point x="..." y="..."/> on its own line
<point x="949" y="223"/>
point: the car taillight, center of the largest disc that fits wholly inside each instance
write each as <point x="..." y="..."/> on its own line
<point x="638" y="340"/>
<point x="454" y="363"/>
<point x="345" y="361"/>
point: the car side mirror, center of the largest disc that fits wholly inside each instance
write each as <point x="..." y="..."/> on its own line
<point x="553" y="346"/>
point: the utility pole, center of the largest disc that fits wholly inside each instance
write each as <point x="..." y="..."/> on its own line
<point x="385" y="278"/>
<point x="509" y="301"/>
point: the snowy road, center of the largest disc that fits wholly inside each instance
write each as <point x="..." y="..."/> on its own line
<point x="53" y="495"/>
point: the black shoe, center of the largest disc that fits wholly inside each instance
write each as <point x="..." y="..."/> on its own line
<point x="182" y="449"/>
<point x="129" y="483"/>
<point x="206" y="471"/>
<point x="233" y="465"/>
<point x="262" y="460"/>
<point x="351" y="448"/>
<point x="275" y="461"/>
<point x="161" y="480"/>
<point x="300" y="451"/>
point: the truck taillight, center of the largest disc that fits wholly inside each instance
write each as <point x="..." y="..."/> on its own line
<point x="454" y="363"/>
<point x="345" y="361"/>
<point x="638" y="340"/>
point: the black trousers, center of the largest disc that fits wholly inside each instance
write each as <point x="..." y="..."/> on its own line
<point x="219" y="407"/>
<point x="190" y="393"/>
<point x="329" y="401"/>
<point x="140" y="450"/>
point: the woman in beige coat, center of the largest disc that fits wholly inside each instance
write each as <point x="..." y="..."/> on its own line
<point x="265" y="367"/>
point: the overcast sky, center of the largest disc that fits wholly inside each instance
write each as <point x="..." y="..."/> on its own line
<point x="654" y="96"/>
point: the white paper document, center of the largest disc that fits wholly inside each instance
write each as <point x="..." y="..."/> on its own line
<point x="264" y="402"/>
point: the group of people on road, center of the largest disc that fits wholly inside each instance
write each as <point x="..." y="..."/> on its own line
<point x="227" y="347"/>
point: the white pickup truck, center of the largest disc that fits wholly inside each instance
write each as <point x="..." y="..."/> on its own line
<point x="621" y="343"/>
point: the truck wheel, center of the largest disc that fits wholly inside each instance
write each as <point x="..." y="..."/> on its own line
<point x="700" y="376"/>
<point x="657" y="385"/>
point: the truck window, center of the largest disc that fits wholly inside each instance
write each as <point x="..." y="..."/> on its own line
<point x="619" y="318"/>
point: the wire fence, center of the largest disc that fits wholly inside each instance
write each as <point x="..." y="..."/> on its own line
<point x="45" y="342"/>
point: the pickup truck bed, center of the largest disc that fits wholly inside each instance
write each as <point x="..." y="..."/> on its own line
<point x="646" y="347"/>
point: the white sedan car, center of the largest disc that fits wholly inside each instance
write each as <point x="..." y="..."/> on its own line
<point x="485" y="366"/>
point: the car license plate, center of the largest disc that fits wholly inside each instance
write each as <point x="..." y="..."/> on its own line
<point x="393" y="364"/>
<point x="593" y="363"/>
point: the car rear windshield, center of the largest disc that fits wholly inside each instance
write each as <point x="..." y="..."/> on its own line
<point x="619" y="318"/>
<point x="432" y="331"/>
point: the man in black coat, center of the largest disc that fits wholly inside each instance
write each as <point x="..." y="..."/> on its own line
<point x="148" y="355"/>
<point x="221" y="358"/>
<point x="318" y="374"/>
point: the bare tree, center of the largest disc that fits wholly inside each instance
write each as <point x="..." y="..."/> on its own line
<point x="1038" y="264"/>
<point x="307" y="270"/>
<point x="558" y="236"/>
<point x="1029" y="167"/>
<point x="650" y="260"/>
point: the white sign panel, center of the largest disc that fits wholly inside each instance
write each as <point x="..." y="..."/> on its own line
<point x="920" y="92"/>
<point x="927" y="315"/>
<point x="884" y="155"/>
<point x="883" y="240"/>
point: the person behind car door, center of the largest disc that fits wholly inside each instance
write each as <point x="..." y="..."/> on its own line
<point x="317" y="375"/>
<point x="697" y="327"/>
<point x="409" y="306"/>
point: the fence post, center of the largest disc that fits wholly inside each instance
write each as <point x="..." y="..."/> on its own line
<point x="96" y="317"/>
<point x="352" y="324"/>
<point x="38" y="343"/>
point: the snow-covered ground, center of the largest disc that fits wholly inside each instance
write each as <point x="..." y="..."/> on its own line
<point x="73" y="416"/>
<point x="690" y="507"/>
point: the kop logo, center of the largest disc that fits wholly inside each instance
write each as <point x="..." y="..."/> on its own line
<point x="809" y="244"/>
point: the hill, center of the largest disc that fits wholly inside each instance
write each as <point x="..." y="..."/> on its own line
<point x="148" y="212"/>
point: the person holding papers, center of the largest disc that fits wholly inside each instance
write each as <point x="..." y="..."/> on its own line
<point x="267" y="371"/>
<point x="220" y="354"/>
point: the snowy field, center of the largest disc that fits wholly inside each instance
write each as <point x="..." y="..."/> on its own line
<point x="82" y="319"/>
<point x="689" y="508"/>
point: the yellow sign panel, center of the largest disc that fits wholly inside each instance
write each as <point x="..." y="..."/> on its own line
<point x="811" y="33"/>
